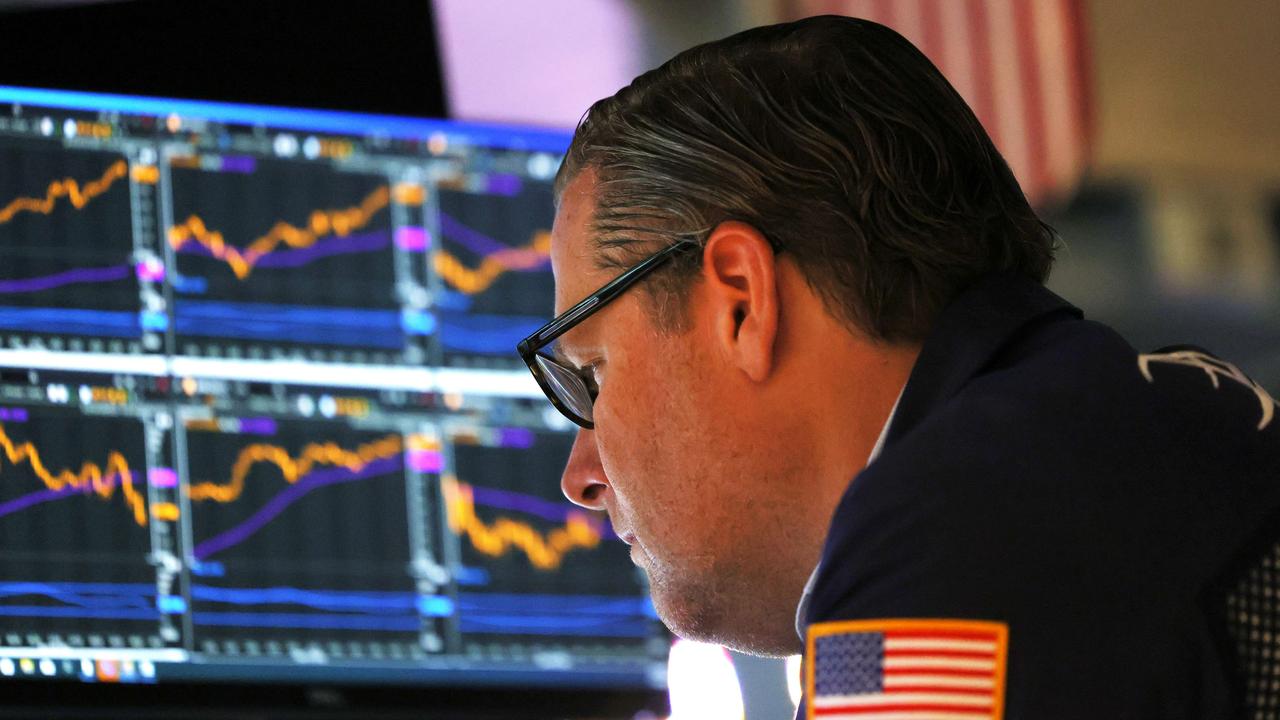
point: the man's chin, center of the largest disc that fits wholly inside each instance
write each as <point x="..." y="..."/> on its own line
<point x="702" y="615"/>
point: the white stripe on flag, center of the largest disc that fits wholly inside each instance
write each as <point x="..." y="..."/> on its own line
<point x="909" y="21"/>
<point x="908" y="663"/>
<point x="1056" y="91"/>
<point x="957" y="55"/>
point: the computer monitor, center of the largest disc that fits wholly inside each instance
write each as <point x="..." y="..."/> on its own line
<point x="264" y="440"/>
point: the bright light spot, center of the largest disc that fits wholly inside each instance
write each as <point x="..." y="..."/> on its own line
<point x="306" y="405"/>
<point x="328" y="406"/>
<point x="311" y="147"/>
<point x="704" y="685"/>
<point x="793" y="679"/>
<point x="285" y="145"/>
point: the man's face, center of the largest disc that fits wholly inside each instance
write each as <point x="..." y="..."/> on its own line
<point x="672" y="457"/>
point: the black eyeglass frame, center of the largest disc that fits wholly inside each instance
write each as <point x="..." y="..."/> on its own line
<point x="571" y="318"/>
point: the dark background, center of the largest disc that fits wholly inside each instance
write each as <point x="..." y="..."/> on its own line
<point x="373" y="56"/>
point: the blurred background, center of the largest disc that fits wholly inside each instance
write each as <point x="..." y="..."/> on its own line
<point x="1147" y="133"/>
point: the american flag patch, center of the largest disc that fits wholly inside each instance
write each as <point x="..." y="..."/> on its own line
<point x="906" y="670"/>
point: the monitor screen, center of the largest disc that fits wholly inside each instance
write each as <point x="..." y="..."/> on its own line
<point x="261" y="420"/>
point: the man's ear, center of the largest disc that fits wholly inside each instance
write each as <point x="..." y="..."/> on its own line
<point x="739" y="276"/>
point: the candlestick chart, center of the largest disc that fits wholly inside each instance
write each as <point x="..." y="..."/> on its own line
<point x="286" y="254"/>
<point x="73" y="524"/>
<point x="494" y="269"/>
<point x="306" y="526"/>
<point x="66" y="243"/>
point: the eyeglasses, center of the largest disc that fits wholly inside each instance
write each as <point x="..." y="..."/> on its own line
<point x="566" y="387"/>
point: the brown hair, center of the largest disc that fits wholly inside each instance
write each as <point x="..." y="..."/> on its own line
<point x="840" y="142"/>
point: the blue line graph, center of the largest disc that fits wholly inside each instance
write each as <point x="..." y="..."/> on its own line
<point x="98" y="601"/>
<point x="389" y="611"/>
<point x="291" y="323"/>
<point x="406" y="623"/>
<point x="486" y="334"/>
<point x="528" y="614"/>
<point x="554" y="625"/>
<point x="49" y="611"/>
<point x="101" y="323"/>
<point x="318" y="599"/>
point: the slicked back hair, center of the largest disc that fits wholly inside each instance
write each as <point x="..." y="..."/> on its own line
<point x="834" y="137"/>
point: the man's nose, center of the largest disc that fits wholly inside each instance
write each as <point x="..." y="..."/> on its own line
<point x="583" y="481"/>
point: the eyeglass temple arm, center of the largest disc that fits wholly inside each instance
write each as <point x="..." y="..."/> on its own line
<point x="576" y="314"/>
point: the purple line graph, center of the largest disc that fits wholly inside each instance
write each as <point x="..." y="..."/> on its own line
<point x="74" y="276"/>
<point x="38" y="497"/>
<point x="479" y="243"/>
<point x="297" y="257"/>
<point x="489" y="497"/>
<point x="290" y="495"/>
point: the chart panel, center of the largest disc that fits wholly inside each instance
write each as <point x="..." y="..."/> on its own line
<point x="493" y="268"/>
<point x="68" y="271"/>
<point x="536" y="572"/>
<point x="301" y="538"/>
<point x="84" y="519"/>
<point x="277" y="257"/>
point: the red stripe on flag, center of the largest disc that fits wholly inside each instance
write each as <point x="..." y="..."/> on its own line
<point x="936" y="689"/>
<point x="980" y="49"/>
<point x="904" y="707"/>
<point x="953" y="672"/>
<point x="1037" y="180"/>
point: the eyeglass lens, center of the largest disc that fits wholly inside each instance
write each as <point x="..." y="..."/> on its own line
<point x="568" y="387"/>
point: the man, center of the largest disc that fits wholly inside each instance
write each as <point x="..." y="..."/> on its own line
<point x="829" y="404"/>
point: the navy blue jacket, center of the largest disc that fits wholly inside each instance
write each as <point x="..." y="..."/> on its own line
<point x="1100" y="504"/>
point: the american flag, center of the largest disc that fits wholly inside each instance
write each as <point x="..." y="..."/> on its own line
<point x="1022" y="65"/>
<point x="906" y="670"/>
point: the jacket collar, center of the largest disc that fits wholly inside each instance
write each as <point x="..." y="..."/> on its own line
<point x="969" y="332"/>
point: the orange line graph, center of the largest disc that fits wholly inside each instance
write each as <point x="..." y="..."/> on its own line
<point x="504" y="534"/>
<point x="339" y="222"/>
<point x="68" y="188"/>
<point x="476" y="280"/>
<point x="90" y="474"/>
<point x="293" y="468"/>
<point x="545" y="552"/>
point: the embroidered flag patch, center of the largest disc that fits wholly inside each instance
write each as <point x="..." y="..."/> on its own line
<point x="906" y="670"/>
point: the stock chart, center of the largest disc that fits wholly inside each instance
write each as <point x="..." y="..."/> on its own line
<point x="494" y="268"/>
<point x="66" y="245"/>
<point x="261" y="415"/>
<point x="280" y="253"/>
<point x="300" y="529"/>
<point x="80" y="519"/>
<point x="540" y="568"/>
